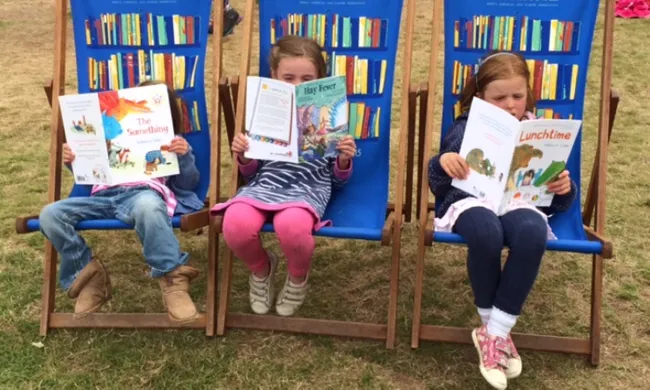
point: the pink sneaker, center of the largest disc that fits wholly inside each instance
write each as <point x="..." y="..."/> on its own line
<point x="514" y="360"/>
<point x="492" y="356"/>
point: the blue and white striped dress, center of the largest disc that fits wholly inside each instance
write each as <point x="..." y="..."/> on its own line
<point x="277" y="185"/>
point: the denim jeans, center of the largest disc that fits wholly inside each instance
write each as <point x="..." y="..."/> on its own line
<point x="139" y="206"/>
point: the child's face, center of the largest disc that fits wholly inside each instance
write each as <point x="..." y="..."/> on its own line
<point x="295" y="70"/>
<point x="508" y="94"/>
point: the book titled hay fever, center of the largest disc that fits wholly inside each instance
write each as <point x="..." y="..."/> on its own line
<point x="120" y="136"/>
<point x="295" y="123"/>
<point x="513" y="160"/>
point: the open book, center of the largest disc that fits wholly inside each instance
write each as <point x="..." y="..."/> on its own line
<point x="119" y="136"/>
<point x="509" y="159"/>
<point x="295" y="123"/>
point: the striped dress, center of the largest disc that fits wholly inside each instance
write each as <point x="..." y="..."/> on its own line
<point x="277" y="185"/>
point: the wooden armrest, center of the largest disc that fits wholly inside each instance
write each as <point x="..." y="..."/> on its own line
<point x="608" y="247"/>
<point x="21" y="224"/>
<point x="195" y="220"/>
<point x="428" y="230"/>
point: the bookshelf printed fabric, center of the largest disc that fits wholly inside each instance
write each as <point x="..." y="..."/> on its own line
<point x="339" y="35"/>
<point x="553" y="35"/>
<point x="123" y="45"/>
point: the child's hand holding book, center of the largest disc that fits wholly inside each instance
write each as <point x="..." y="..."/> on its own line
<point x="347" y="149"/>
<point x="562" y="185"/>
<point x="454" y="165"/>
<point x="239" y="146"/>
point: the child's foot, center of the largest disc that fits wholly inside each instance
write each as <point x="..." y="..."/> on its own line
<point x="492" y="356"/>
<point x="92" y="288"/>
<point x="291" y="297"/>
<point x="175" y="286"/>
<point x="261" y="289"/>
<point x="514" y="360"/>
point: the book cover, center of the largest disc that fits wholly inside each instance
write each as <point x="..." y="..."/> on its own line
<point x="120" y="136"/>
<point x="295" y="123"/>
<point x="513" y="160"/>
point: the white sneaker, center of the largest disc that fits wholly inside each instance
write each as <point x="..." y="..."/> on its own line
<point x="260" y="293"/>
<point x="291" y="297"/>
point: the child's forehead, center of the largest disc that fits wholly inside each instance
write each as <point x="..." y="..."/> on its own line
<point x="507" y="85"/>
<point x="296" y="65"/>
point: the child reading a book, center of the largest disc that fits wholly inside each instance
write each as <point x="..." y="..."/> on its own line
<point x="149" y="206"/>
<point x="503" y="80"/>
<point x="293" y="196"/>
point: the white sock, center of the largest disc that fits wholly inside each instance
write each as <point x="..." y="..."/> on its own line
<point x="500" y="323"/>
<point x="484" y="313"/>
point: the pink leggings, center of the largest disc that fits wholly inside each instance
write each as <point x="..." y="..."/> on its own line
<point x="293" y="226"/>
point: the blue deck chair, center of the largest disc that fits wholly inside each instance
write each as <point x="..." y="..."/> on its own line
<point x="98" y="34"/>
<point x="361" y="210"/>
<point x="463" y="46"/>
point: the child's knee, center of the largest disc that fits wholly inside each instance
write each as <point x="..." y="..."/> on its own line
<point x="239" y="230"/>
<point x="51" y="215"/>
<point x="148" y="207"/>
<point x="533" y="230"/>
<point x="294" y="226"/>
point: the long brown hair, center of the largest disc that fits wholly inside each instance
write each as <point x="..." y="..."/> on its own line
<point x="498" y="65"/>
<point x="290" y="46"/>
<point x="177" y="116"/>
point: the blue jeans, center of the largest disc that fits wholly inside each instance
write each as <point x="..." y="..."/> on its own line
<point x="139" y="206"/>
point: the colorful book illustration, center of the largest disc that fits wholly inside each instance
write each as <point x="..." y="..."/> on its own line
<point x="134" y="29"/>
<point x="295" y="123"/>
<point x="511" y="160"/>
<point x="333" y="30"/>
<point x="120" y="136"/>
<point x="548" y="81"/>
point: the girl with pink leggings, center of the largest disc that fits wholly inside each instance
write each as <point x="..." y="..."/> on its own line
<point x="291" y="196"/>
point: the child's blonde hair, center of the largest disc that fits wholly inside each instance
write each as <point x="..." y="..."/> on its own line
<point x="290" y="46"/>
<point x="177" y="115"/>
<point x="499" y="65"/>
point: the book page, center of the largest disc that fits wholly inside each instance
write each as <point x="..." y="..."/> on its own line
<point x="84" y="134"/>
<point x="272" y="109"/>
<point x="542" y="151"/>
<point x="487" y="148"/>
<point x="322" y="112"/>
<point x="265" y="147"/>
<point x="138" y="128"/>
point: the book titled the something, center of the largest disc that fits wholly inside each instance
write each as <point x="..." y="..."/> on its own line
<point x="295" y="123"/>
<point x="120" y="136"/>
<point x="511" y="159"/>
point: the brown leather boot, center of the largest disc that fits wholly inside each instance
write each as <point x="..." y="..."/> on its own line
<point x="92" y="289"/>
<point x="175" y="286"/>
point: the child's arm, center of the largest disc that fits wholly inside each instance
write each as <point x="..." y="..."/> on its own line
<point x="561" y="202"/>
<point x="340" y="175"/>
<point x="188" y="175"/>
<point x="248" y="169"/>
<point x="439" y="180"/>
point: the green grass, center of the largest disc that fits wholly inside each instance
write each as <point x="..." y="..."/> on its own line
<point x="349" y="279"/>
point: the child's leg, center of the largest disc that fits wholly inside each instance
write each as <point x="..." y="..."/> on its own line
<point x="241" y="231"/>
<point x="525" y="232"/>
<point x="483" y="232"/>
<point x="58" y="221"/>
<point x="294" y="226"/>
<point x="147" y="211"/>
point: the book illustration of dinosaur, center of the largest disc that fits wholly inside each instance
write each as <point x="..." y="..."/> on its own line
<point x="477" y="162"/>
<point x="153" y="158"/>
<point x="520" y="159"/>
<point x="115" y="108"/>
<point x="550" y="174"/>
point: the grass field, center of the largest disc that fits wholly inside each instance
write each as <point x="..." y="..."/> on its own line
<point x="349" y="279"/>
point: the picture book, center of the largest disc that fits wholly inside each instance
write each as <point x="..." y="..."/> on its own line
<point x="120" y="136"/>
<point x="295" y="123"/>
<point x="511" y="159"/>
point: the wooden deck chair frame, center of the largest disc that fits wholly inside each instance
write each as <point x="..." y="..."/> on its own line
<point x="391" y="236"/>
<point x="595" y="205"/>
<point x="51" y="319"/>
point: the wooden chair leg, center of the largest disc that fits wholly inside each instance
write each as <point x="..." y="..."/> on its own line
<point x="211" y="301"/>
<point x="224" y="292"/>
<point x="596" y="305"/>
<point x="417" y="293"/>
<point x="590" y="201"/>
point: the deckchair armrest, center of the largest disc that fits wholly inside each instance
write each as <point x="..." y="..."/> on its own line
<point x="195" y="220"/>
<point x="21" y="224"/>
<point x="608" y="247"/>
<point x="428" y="229"/>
